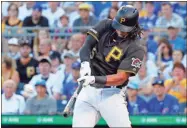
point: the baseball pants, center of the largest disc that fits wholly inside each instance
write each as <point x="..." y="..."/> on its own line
<point x="92" y="103"/>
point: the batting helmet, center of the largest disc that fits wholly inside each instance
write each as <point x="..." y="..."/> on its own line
<point x="126" y="19"/>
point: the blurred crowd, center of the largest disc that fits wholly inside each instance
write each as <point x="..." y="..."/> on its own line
<point x="39" y="74"/>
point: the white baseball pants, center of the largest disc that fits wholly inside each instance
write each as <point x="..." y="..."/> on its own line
<point x="92" y="103"/>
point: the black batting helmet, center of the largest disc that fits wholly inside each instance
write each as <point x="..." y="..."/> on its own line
<point x="126" y="18"/>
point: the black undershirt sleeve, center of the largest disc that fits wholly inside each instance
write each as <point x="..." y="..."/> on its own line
<point x="87" y="48"/>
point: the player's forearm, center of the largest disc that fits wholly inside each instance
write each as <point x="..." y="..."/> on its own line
<point x="87" y="48"/>
<point x="112" y="80"/>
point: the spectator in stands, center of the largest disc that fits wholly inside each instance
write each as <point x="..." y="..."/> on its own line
<point x="28" y="91"/>
<point x="36" y="19"/>
<point x="42" y="103"/>
<point x="9" y="70"/>
<point x="44" y="48"/>
<point x="164" y="54"/>
<point x="75" y="43"/>
<point x="55" y="62"/>
<point x="136" y="105"/>
<point x="53" y="13"/>
<point x="180" y="9"/>
<point x="105" y="12"/>
<point x="26" y="65"/>
<point x="177" y="58"/>
<point x="176" y="86"/>
<point x="42" y="34"/>
<point x="12" y="19"/>
<point x="112" y="12"/>
<point x="163" y="103"/>
<point x="74" y="14"/>
<point x="69" y="87"/>
<point x="63" y="26"/>
<point x="148" y="60"/>
<point x="99" y="6"/>
<point x="53" y="85"/>
<point x="13" y="47"/>
<point x="65" y="74"/>
<point x="169" y="17"/>
<point x="63" y="22"/>
<point x="177" y="42"/>
<point x="144" y="80"/>
<point x="26" y="10"/>
<point x="12" y="104"/>
<point x="150" y="18"/>
<point x="85" y="18"/>
<point x="139" y="6"/>
<point x="150" y="43"/>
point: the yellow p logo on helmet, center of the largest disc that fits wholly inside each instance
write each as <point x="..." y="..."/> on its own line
<point x="122" y="20"/>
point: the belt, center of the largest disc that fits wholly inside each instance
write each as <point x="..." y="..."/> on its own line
<point x="120" y="87"/>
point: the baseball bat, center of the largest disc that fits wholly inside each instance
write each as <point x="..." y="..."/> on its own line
<point x="71" y="103"/>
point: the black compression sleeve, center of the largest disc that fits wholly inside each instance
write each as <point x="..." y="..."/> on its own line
<point x="87" y="48"/>
<point x="100" y="79"/>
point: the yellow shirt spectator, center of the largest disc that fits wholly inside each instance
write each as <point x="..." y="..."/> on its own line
<point x="177" y="90"/>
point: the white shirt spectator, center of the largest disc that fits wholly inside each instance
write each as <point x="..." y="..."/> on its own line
<point x="152" y="69"/>
<point x="53" y="17"/>
<point x="4" y="8"/>
<point x="24" y="12"/>
<point x="14" y="105"/>
<point x="53" y="84"/>
<point x="164" y="23"/>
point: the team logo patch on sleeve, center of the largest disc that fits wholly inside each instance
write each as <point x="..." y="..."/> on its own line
<point x="136" y="62"/>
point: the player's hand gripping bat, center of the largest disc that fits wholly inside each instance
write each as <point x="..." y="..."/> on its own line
<point x="70" y="105"/>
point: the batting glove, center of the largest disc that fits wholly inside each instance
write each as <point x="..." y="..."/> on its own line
<point x="87" y="80"/>
<point x="85" y="69"/>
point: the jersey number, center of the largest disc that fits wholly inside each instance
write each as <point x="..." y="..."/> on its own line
<point x="115" y="53"/>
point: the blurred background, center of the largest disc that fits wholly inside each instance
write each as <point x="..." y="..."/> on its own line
<point x="40" y="58"/>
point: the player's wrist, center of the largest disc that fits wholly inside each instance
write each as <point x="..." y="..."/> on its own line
<point x="100" y="79"/>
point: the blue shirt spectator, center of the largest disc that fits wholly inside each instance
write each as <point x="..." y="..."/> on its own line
<point x="99" y="6"/>
<point x="136" y="105"/>
<point x="162" y="103"/>
<point x="169" y="17"/>
<point x="180" y="8"/>
<point x="177" y="42"/>
<point x="150" y="43"/>
<point x="150" y="19"/>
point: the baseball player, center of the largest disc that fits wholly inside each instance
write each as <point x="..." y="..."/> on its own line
<point x="110" y="55"/>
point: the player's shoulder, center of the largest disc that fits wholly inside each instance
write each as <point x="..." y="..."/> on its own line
<point x="135" y="45"/>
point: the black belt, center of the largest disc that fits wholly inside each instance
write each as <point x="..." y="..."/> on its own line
<point x="120" y="87"/>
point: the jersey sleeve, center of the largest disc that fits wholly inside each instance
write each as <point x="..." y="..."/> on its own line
<point x="99" y="29"/>
<point x="133" y="61"/>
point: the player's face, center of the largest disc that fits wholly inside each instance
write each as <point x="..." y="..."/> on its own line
<point x="44" y="68"/>
<point x="24" y="51"/>
<point x="158" y="90"/>
<point x="121" y="34"/>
